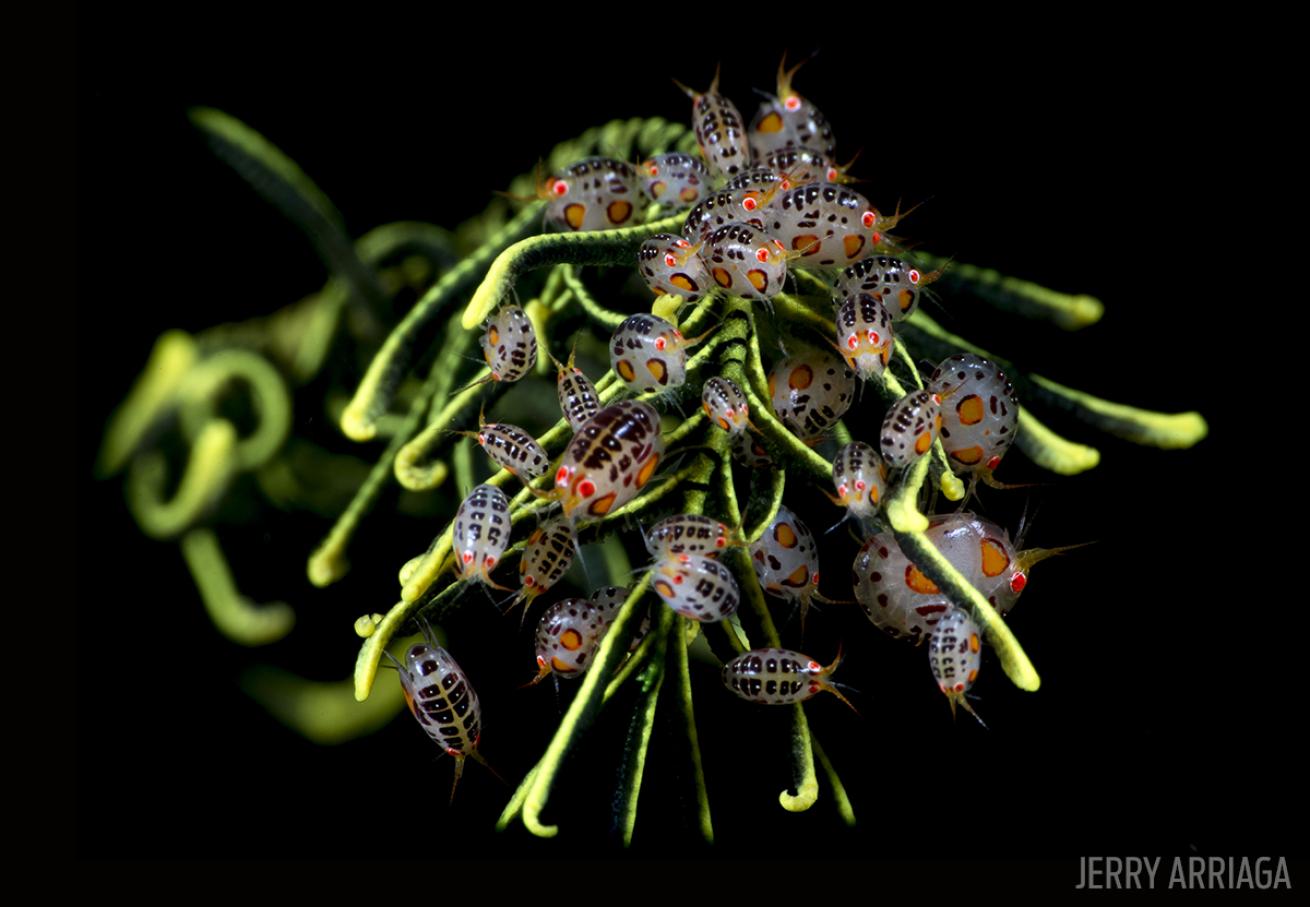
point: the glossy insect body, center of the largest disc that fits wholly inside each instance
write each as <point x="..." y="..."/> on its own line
<point x="830" y="225"/>
<point x="567" y="637"/>
<point x="810" y="392"/>
<point x="722" y="208"/>
<point x="509" y="344"/>
<point x="864" y="335"/>
<point x="778" y="677"/>
<point x="648" y="353"/>
<point x="546" y="559"/>
<point x="801" y="165"/>
<point x="440" y="696"/>
<point x="610" y="599"/>
<point x="955" y="655"/>
<point x="578" y="399"/>
<point x="670" y="264"/>
<point x="725" y="404"/>
<point x="788" y="121"/>
<point x="675" y="180"/>
<point x="685" y="535"/>
<point x="598" y="193"/>
<point x="984" y="553"/>
<point x="699" y="589"/>
<point x="895" y="594"/>
<point x="720" y="133"/>
<point x="759" y="183"/>
<point x="748" y="451"/>
<point x="861" y="479"/>
<point x="744" y="261"/>
<point x="891" y="281"/>
<point x="512" y="448"/>
<point x="910" y="427"/>
<point x="611" y="458"/>
<point x="481" y="535"/>
<point x="786" y="560"/>
<point x="980" y="417"/>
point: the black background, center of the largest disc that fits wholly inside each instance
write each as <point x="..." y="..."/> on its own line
<point x="1083" y="161"/>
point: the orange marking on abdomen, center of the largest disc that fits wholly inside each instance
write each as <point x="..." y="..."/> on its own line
<point x="800" y="378"/>
<point x="688" y="194"/>
<point x="619" y="211"/>
<point x="659" y="371"/>
<point x="852" y="244"/>
<point x="771" y="123"/>
<point x="970" y="409"/>
<point x="626" y="371"/>
<point x="722" y="277"/>
<point x="994" y="558"/>
<point x="561" y="667"/>
<point x="683" y="282"/>
<point x="915" y="579"/>
<point x="601" y="506"/>
<point x="759" y="279"/>
<point x="974" y="644"/>
<point x="799" y="578"/>
<point x="808" y="242"/>
<point x="574" y="214"/>
<point x="571" y="639"/>
<point x="784" y="535"/>
<point x="923" y="442"/>
<point x="664" y="588"/>
<point x="906" y="299"/>
<point x="647" y="470"/>
<point x="969" y="456"/>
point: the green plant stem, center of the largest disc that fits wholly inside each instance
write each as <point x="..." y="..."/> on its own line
<point x="209" y="470"/>
<point x="687" y="712"/>
<point x="844" y="807"/>
<point x="633" y="764"/>
<point x="1069" y="311"/>
<point x="235" y="616"/>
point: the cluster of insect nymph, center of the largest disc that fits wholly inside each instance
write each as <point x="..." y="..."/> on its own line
<point x="741" y="231"/>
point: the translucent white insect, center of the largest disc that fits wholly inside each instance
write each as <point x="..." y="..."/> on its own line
<point x="802" y="165"/>
<point x="511" y="448"/>
<point x="788" y="120"/>
<point x="443" y="701"/>
<point x="671" y="264"/>
<point x="810" y="391"/>
<point x="749" y="451"/>
<point x="567" y="637"/>
<point x="955" y="655"/>
<point x="725" y="404"/>
<point x="864" y="335"/>
<point x="609" y="599"/>
<point x="779" y="677"/>
<point x="611" y="458"/>
<point x="894" y="594"/>
<point x="546" y="558"/>
<point x="860" y="477"/>
<point x="719" y="132"/>
<point x="675" y="180"/>
<point x="687" y="534"/>
<point x="509" y="344"/>
<point x="598" y="193"/>
<point x="481" y="535"/>
<point x="648" y="353"/>
<point x="699" y="589"/>
<point x="980" y="418"/>
<point x="578" y="399"/>
<point x="892" y="281"/>
<point x="722" y="208"/>
<point x="786" y="560"/>
<point x="744" y="261"/>
<point x="758" y="183"/>
<point x="910" y="427"/>
<point x="830" y="225"/>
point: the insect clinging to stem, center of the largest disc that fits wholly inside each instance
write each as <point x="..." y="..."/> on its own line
<point x="955" y="655"/>
<point x="780" y="677"/>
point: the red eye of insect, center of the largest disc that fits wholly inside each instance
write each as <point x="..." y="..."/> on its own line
<point x="832" y="174"/>
<point x="914" y="275"/>
<point x="993" y="462"/>
<point x="786" y="184"/>
<point x="877" y="237"/>
<point x="671" y="260"/>
<point x="654" y="171"/>
<point x="562" y="476"/>
<point x="482" y="439"/>
<point x="814" y="666"/>
<point x="868" y="218"/>
<point x="586" y="488"/>
<point x="719" y="543"/>
<point x="781" y="247"/>
<point x="560" y="187"/>
<point x="490" y="561"/>
<point x="660" y="343"/>
<point x="937" y="398"/>
<point x="874" y="338"/>
<point x="815" y="581"/>
<point x="1017" y="582"/>
<point x="842" y="490"/>
<point x="529" y="580"/>
<point x="853" y="341"/>
<point x="468" y="557"/>
<point x="677" y="333"/>
<point x="686" y="559"/>
<point x="792" y="103"/>
<point x="744" y="408"/>
<point x="859" y="484"/>
<point x="750" y="204"/>
<point x="683" y="244"/>
<point x="762" y="253"/>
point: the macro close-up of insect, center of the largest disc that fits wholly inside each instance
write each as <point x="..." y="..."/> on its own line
<point x="594" y="432"/>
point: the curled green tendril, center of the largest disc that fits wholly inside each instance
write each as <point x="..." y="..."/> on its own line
<point x="844" y="808"/>
<point x="580" y="294"/>
<point x="321" y="712"/>
<point x="908" y="525"/>
<point x="1069" y="311"/>
<point x="173" y="356"/>
<point x="209" y="470"/>
<point x="235" y="616"/>
<point x="268" y="395"/>
<point x="805" y="784"/>
<point x="1050" y="451"/>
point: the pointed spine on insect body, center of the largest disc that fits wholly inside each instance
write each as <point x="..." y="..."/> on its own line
<point x="789" y="121"/>
<point x="578" y="400"/>
<point x="699" y="588"/>
<point x="509" y="345"/>
<point x="686" y="535"/>
<point x="780" y="677"/>
<point x="596" y="193"/>
<point x="865" y="335"/>
<point x="720" y="131"/>
<point x="911" y="425"/>
<point x="511" y="448"/>
<point x="725" y="404"/>
<point x="649" y="353"/>
<point x="745" y="262"/>
<point x="674" y="180"/>
<point x="860" y="477"/>
<point x="892" y="281"/>
<point x="955" y="656"/>
<point x="567" y="637"/>
<point x="830" y="225"/>
<point x="481" y="534"/>
<point x="443" y="701"/>
<point x="810" y="391"/>
<point x="980" y="419"/>
<point x="799" y="166"/>
<point x="546" y="558"/>
<point x="610" y="459"/>
<point x="672" y="265"/>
